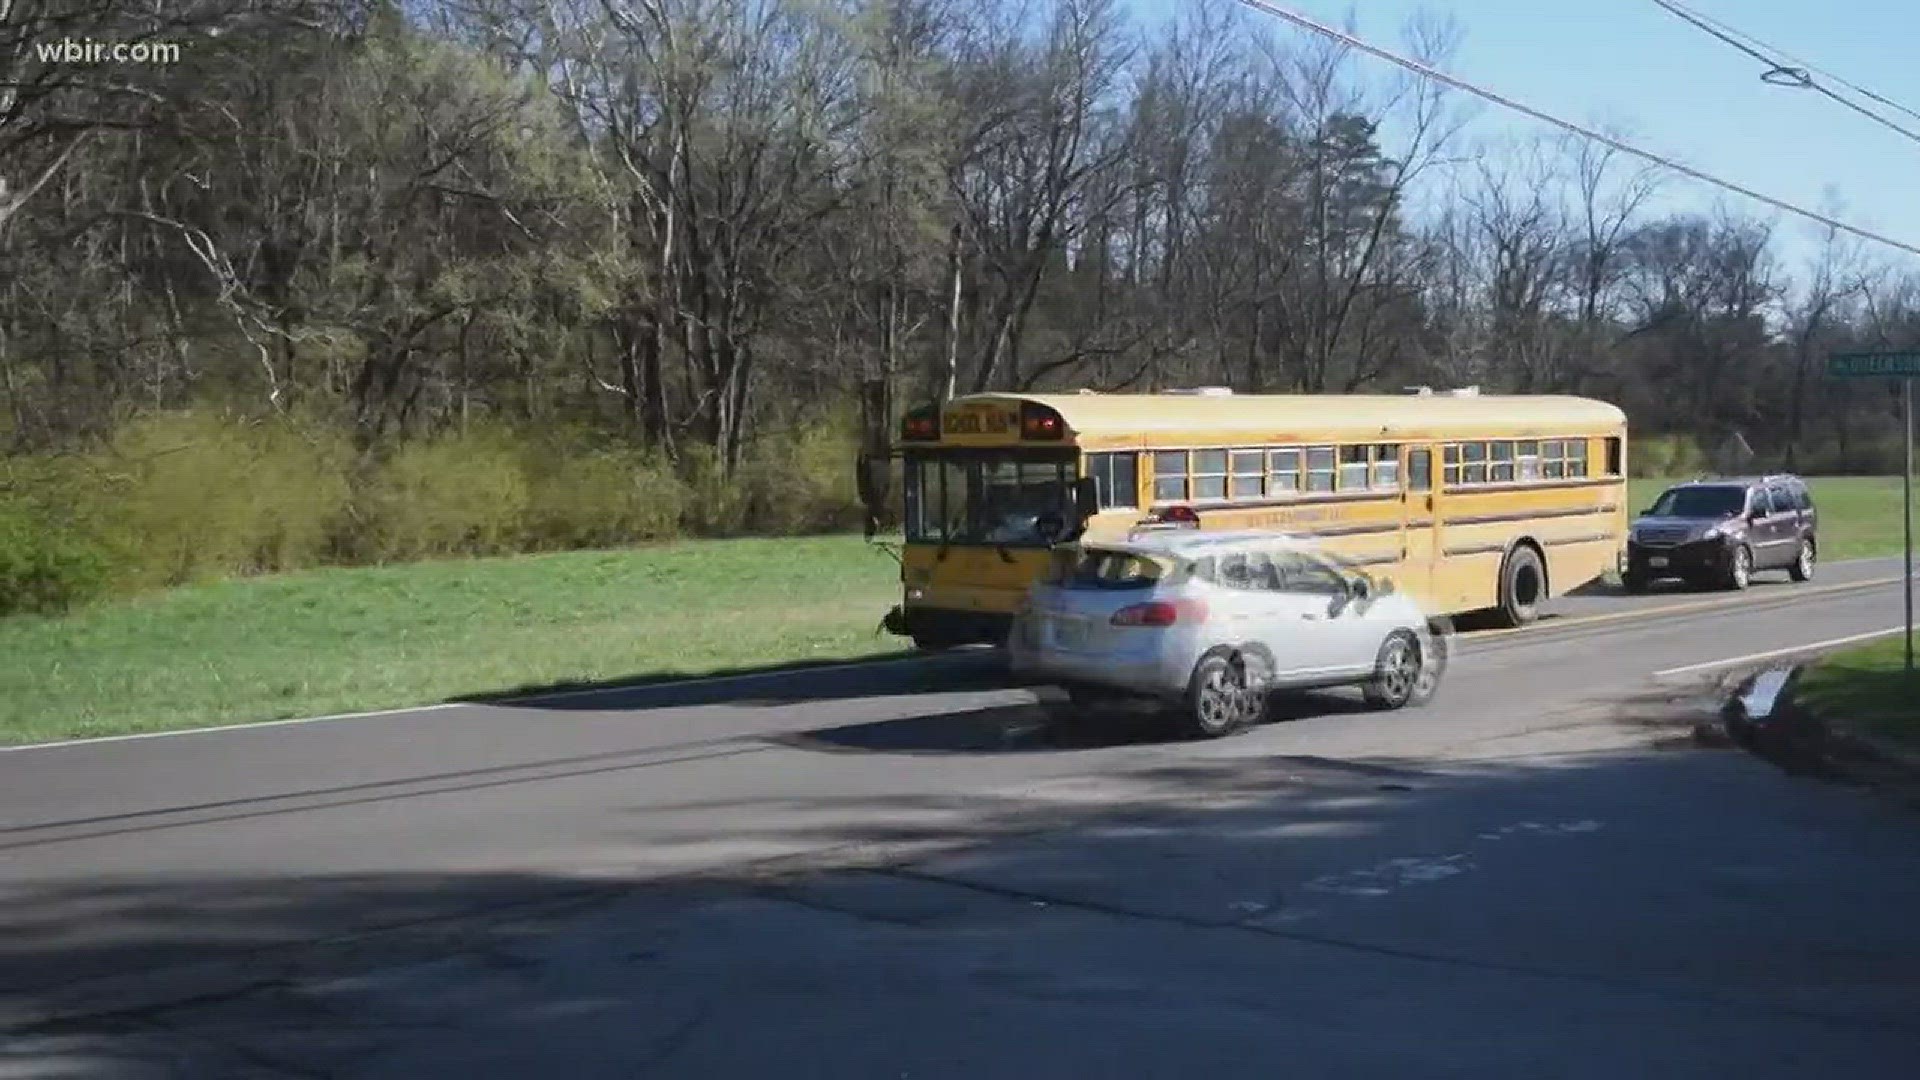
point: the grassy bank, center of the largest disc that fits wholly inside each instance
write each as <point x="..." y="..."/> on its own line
<point x="1868" y="686"/>
<point x="344" y="640"/>
<point x="347" y="639"/>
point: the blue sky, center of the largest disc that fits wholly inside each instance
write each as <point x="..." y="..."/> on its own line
<point x="1627" y="64"/>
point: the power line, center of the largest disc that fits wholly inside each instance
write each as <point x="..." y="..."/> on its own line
<point x="1800" y="76"/>
<point x="1804" y="64"/>
<point x="1436" y="75"/>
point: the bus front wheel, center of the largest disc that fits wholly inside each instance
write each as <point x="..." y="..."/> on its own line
<point x="1523" y="584"/>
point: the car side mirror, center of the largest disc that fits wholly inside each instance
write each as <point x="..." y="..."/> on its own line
<point x="1051" y="526"/>
<point x="1359" y="589"/>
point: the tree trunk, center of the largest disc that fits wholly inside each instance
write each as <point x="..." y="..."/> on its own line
<point x="950" y="362"/>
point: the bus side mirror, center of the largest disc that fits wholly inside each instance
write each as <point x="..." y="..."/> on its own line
<point x="870" y="478"/>
<point x="1086" y="499"/>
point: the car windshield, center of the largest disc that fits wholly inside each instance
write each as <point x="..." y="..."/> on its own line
<point x="996" y="498"/>
<point x="1701" y="502"/>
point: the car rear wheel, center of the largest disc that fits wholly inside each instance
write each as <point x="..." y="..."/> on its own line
<point x="1803" y="565"/>
<point x="1224" y="695"/>
<point x="1406" y="672"/>
<point x="1739" y="568"/>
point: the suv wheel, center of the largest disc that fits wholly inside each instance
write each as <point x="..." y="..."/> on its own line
<point x="1740" y="568"/>
<point x="1223" y="696"/>
<point x="1802" y="568"/>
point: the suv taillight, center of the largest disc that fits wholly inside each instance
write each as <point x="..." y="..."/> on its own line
<point x="1161" y="613"/>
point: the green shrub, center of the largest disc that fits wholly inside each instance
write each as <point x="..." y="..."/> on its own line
<point x="299" y="492"/>
<point x="178" y="496"/>
<point x="44" y="567"/>
<point x="717" y="505"/>
<point x="461" y="493"/>
<point x="801" y="481"/>
<point x="1666" y="456"/>
<point x="1864" y="457"/>
<point x="580" y="495"/>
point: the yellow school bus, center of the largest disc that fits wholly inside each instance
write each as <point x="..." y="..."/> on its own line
<point x="1470" y="502"/>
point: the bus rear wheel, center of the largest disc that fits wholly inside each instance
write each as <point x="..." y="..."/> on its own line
<point x="1523" y="584"/>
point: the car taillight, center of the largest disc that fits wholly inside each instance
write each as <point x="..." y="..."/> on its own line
<point x="1160" y="613"/>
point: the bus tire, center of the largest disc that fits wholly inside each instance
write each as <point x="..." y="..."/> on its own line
<point x="1523" y="584"/>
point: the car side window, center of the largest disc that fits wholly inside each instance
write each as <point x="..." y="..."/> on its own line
<point x="1802" y="498"/>
<point x="1781" y="502"/>
<point x="1296" y="573"/>
<point x="1239" y="572"/>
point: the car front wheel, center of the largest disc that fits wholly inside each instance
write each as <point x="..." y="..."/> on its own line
<point x="1739" y="568"/>
<point x="1406" y="672"/>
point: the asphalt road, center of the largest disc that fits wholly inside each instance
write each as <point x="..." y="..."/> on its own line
<point x="882" y="871"/>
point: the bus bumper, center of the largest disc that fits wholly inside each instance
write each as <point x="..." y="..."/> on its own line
<point x="943" y="627"/>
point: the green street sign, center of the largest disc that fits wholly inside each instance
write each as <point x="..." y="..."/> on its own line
<point x="1897" y="364"/>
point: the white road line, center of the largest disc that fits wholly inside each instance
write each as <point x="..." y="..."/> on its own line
<point x="558" y="695"/>
<point x="1814" y="646"/>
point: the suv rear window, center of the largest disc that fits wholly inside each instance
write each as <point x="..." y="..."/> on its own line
<point x="1094" y="568"/>
<point x="1701" y="502"/>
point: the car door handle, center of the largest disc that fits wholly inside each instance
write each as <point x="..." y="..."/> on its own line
<point x="1311" y="616"/>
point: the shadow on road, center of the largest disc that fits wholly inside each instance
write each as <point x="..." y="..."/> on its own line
<point x="1295" y="909"/>
<point x="1023" y="728"/>
<point x="771" y="685"/>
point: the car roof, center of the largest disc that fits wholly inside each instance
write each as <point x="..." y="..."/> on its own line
<point x="1744" y="481"/>
<point x="1191" y="544"/>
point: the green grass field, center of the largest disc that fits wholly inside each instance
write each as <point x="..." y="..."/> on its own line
<point x="1868" y="686"/>
<point x="353" y="639"/>
<point x="345" y="640"/>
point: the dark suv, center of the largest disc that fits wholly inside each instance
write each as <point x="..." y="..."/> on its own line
<point x="1720" y="532"/>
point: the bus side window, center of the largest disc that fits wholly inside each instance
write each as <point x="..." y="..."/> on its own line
<point x="1419" y="470"/>
<point x="1117" y="478"/>
<point x="1613" y="456"/>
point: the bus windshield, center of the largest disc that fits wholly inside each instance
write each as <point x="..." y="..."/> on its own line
<point x="997" y="498"/>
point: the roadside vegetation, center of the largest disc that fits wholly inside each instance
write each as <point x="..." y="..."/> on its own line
<point x="338" y="639"/>
<point x="1867" y="687"/>
<point x="197" y="495"/>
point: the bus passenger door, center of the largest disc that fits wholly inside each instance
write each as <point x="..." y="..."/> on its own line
<point x="1420" y="560"/>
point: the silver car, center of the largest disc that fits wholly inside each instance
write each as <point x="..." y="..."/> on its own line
<point x="1209" y="623"/>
